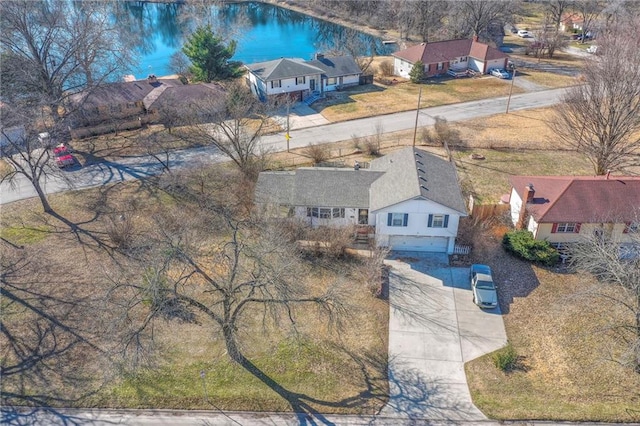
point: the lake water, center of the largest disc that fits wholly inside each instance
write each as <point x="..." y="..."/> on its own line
<point x="263" y="32"/>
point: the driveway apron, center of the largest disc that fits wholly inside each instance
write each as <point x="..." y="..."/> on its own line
<point x="434" y="328"/>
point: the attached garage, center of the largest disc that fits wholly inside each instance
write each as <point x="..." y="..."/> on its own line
<point x="413" y="243"/>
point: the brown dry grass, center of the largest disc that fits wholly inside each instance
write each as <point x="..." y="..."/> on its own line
<point x="326" y="364"/>
<point x="367" y="101"/>
<point x="546" y="79"/>
<point x="559" y="330"/>
<point x="565" y="373"/>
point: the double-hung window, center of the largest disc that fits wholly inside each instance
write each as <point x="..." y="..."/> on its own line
<point x="438" y="221"/>
<point x="397" y="219"/>
<point x="300" y="80"/>
<point x="325" y="212"/>
<point x="276" y="83"/>
<point x="566" y="228"/>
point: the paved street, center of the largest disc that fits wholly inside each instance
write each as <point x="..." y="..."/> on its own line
<point x="307" y="129"/>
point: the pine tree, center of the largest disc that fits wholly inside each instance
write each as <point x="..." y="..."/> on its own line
<point x="417" y="72"/>
<point x="209" y="56"/>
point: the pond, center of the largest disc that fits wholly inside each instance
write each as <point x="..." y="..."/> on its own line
<point x="263" y="32"/>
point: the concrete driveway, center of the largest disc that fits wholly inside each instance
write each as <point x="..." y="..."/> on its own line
<point x="434" y="328"/>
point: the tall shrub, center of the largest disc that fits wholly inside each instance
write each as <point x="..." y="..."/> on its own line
<point x="522" y="244"/>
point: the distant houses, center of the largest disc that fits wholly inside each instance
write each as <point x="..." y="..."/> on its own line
<point x="127" y="105"/>
<point x="450" y="55"/>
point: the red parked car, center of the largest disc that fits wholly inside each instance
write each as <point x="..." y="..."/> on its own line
<point x="63" y="156"/>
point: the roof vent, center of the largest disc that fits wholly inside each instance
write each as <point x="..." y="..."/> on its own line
<point x="418" y="154"/>
<point x="420" y="170"/>
<point x="423" y="178"/>
<point x="419" y="162"/>
<point x="424" y="187"/>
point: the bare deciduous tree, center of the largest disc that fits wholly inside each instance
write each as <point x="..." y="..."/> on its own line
<point x="441" y="134"/>
<point x="555" y="10"/>
<point x="616" y="263"/>
<point x="588" y="10"/>
<point x="66" y="48"/>
<point x="476" y="17"/>
<point x="233" y="123"/>
<point x="601" y="117"/>
<point x="252" y="268"/>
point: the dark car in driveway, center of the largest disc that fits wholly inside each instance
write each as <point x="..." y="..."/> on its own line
<point x="484" y="290"/>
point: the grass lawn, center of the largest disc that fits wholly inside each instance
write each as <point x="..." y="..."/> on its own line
<point x="545" y="79"/>
<point x="333" y="370"/>
<point x="365" y="101"/>
<point x="488" y="179"/>
<point x="559" y="333"/>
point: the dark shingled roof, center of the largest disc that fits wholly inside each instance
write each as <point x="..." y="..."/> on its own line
<point x="412" y="173"/>
<point x="317" y="186"/>
<point x="282" y="68"/>
<point x="336" y="66"/>
<point x="583" y="199"/>
<point x="121" y="93"/>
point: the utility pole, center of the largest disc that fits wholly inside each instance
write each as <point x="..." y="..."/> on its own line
<point x="513" y="78"/>
<point x="287" y="135"/>
<point x="415" y="127"/>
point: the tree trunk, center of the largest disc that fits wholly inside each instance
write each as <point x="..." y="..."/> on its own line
<point x="43" y="197"/>
<point x="231" y="344"/>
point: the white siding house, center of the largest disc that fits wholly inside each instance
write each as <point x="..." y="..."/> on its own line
<point x="299" y="78"/>
<point x="411" y="199"/>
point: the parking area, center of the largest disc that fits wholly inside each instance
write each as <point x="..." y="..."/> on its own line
<point x="434" y="328"/>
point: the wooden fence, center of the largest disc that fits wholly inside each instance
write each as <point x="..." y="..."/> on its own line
<point x="485" y="211"/>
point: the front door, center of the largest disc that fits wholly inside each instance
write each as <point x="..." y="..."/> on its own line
<point x="312" y="84"/>
<point x="363" y="216"/>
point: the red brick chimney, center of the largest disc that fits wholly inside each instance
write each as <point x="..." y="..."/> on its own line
<point x="475" y="38"/>
<point x="527" y="197"/>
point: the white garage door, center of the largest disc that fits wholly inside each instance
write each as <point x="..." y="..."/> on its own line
<point x="410" y="243"/>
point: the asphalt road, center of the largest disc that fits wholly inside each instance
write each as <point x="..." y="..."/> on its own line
<point x="145" y="166"/>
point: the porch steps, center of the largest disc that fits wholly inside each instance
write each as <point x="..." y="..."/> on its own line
<point x="312" y="98"/>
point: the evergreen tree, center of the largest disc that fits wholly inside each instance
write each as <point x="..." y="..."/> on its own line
<point x="209" y="56"/>
<point x="417" y="72"/>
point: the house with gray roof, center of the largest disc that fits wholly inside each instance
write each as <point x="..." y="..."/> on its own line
<point x="410" y="198"/>
<point x="299" y="79"/>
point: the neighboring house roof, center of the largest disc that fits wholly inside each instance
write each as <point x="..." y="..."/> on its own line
<point x="282" y="68"/>
<point x="121" y="93"/>
<point x="581" y="199"/>
<point x="336" y="66"/>
<point x="181" y="96"/>
<point x="411" y="173"/>
<point x="317" y="187"/>
<point x="445" y="51"/>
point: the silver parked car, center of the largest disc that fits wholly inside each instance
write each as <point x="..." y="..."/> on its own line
<point x="482" y="286"/>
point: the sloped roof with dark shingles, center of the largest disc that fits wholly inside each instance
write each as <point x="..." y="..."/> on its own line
<point x="282" y="68"/>
<point x="444" y="51"/>
<point x="182" y="96"/>
<point x="317" y="186"/>
<point x="124" y="92"/>
<point x="411" y="173"/>
<point x="336" y="66"/>
<point x="583" y="199"/>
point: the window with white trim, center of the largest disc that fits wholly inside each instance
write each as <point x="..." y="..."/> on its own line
<point x="276" y="83"/>
<point x="325" y="212"/>
<point x="397" y="219"/>
<point x="567" y="227"/>
<point x="440" y="66"/>
<point x="300" y="80"/>
<point x="438" y="221"/>
<point x="331" y="81"/>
